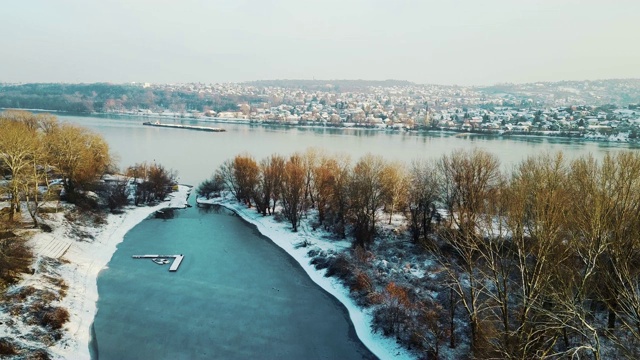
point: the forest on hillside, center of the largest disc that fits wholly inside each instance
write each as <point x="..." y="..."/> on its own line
<point x="104" y="97"/>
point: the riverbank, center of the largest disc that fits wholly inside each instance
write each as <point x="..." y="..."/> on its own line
<point x="297" y="245"/>
<point x="86" y="250"/>
<point x="580" y="135"/>
<point x="569" y="135"/>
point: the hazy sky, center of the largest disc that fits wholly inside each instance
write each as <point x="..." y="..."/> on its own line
<point x="466" y="42"/>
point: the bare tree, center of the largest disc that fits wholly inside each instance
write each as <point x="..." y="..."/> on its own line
<point x="620" y="264"/>
<point x="603" y="237"/>
<point x="19" y="146"/>
<point x="470" y="183"/>
<point x="138" y="175"/>
<point x="324" y="175"/>
<point x="367" y="197"/>
<point x="292" y="190"/>
<point x="423" y="193"/>
<point x="310" y="157"/>
<point x="161" y="181"/>
<point x="590" y="240"/>
<point x="37" y="175"/>
<point x="395" y="186"/>
<point x="276" y="171"/>
<point x="226" y="173"/>
<point x="525" y="269"/>
<point x="336" y="180"/>
<point x="469" y="178"/>
<point x="116" y="194"/>
<point x="152" y="182"/>
<point x="269" y="183"/>
<point x="212" y="186"/>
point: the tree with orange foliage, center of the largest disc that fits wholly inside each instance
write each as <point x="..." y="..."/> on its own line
<point x="246" y="173"/>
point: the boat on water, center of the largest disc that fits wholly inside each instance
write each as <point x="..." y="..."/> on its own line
<point x="188" y="127"/>
<point x="160" y="261"/>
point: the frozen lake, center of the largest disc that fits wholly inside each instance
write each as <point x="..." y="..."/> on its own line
<point x="235" y="296"/>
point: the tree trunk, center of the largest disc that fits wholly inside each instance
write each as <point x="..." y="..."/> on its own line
<point x="473" y="324"/>
<point x="33" y="212"/>
<point x="611" y="320"/>
<point x="452" y="315"/>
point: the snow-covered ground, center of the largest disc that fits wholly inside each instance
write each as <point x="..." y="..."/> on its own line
<point x="281" y="235"/>
<point x="84" y="251"/>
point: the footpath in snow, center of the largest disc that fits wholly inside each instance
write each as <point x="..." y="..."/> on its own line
<point x="281" y="235"/>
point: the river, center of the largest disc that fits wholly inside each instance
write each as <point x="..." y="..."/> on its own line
<point x="237" y="295"/>
<point x="196" y="154"/>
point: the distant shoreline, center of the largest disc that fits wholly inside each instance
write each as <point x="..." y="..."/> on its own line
<point x="574" y="135"/>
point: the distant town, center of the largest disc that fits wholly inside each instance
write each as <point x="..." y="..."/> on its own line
<point x="601" y="110"/>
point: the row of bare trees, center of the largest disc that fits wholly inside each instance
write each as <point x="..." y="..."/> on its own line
<point x="545" y="260"/>
<point x="343" y="195"/>
<point x="35" y="146"/>
<point x="34" y="150"/>
<point x="542" y="261"/>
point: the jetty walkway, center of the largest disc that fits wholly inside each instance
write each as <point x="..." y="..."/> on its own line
<point x="177" y="259"/>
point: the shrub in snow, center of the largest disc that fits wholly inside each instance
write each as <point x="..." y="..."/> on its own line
<point x="39" y="354"/>
<point x="320" y="262"/>
<point x="362" y="288"/>
<point x="362" y="256"/>
<point x="314" y="251"/>
<point x="303" y="244"/>
<point x="7" y="347"/>
<point x="15" y="258"/>
<point x="362" y="283"/>
<point x="54" y="317"/>
<point x="341" y="268"/>
<point x="394" y="312"/>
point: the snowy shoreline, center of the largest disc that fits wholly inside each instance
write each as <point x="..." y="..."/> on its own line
<point x="280" y="234"/>
<point x="84" y="261"/>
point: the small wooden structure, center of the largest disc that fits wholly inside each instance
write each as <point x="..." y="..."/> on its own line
<point x="177" y="260"/>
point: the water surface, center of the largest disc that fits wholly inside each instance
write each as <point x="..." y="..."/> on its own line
<point x="196" y="154"/>
<point x="235" y="296"/>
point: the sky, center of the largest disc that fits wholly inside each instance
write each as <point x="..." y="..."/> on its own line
<point x="449" y="42"/>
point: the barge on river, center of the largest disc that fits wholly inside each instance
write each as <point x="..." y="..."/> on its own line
<point x="189" y="127"/>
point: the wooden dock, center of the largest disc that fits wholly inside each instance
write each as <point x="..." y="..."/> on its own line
<point x="177" y="259"/>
